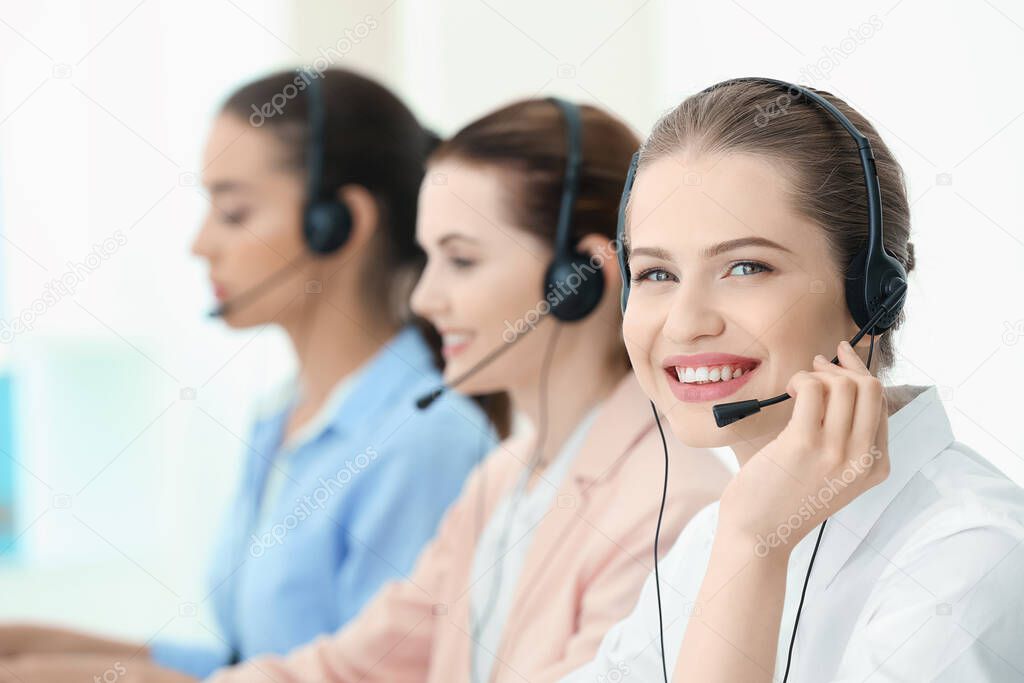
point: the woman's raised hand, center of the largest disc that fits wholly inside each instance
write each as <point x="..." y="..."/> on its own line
<point x="833" y="449"/>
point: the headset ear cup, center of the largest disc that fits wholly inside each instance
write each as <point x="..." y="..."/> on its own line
<point x="856" y="301"/>
<point x="326" y="226"/>
<point x="573" y="287"/>
<point x="867" y="285"/>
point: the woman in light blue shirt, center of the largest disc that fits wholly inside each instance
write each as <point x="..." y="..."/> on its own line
<point x="312" y="181"/>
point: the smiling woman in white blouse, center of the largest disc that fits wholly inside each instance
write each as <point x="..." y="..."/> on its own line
<point x="748" y="207"/>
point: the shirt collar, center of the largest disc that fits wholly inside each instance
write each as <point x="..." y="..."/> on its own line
<point x="918" y="432"/>
<point x="390" y="373"/>
<point x="324" y="417"/>
<point x="621" y="420"/>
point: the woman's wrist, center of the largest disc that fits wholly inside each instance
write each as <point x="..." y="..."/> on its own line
<point x="745" y="546"/>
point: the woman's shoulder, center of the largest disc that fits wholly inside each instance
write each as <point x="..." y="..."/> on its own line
<point x="955" y="521"/>
<point x="690" y="468"/>
<point x="963" y="490"/>
<point x="496" y="472"/>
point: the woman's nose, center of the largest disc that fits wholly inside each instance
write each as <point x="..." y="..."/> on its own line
<point x="693" y="314"/>
<point x="426" y="298"/>
<point x="202" y="243"/>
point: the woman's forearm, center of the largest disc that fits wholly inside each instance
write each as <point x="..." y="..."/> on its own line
<point x="733" y="630"/>
<point x="28" y="639"/>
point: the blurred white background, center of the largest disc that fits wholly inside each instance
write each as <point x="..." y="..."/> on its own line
<point x="130" y="407"/>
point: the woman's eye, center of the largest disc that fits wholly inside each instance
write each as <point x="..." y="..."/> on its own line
<point x="652" y="275"/>
<point x="748" y="268"/>
<point x="462" y="263"/>
<point x="235" y="217"/>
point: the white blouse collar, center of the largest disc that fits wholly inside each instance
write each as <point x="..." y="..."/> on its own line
<point x="918" y="432"/>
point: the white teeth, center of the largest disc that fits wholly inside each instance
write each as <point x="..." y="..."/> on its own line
<point x="705" y="374"/>
<point x="454" y="339"/>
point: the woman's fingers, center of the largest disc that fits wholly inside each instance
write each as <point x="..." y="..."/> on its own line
<point x="869" y="415"/>
<point x="839" y="407"/>
<point x="849" y="359"/>
<point x="881" y="442"/>
<point x="840" y="403"/>
<point x="808" y="394"/>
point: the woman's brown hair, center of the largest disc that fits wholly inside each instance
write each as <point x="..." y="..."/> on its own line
<point x="818" y="157"/>
<point x="528" y="140"/>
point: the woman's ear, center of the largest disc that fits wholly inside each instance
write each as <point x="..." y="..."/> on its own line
<point x="601" y="250"/>
<point x="362" y="205"/>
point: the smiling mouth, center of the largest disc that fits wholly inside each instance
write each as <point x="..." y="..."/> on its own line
<point x="453" y="343"/>
<point x="710" y="374"/>
<point x="708" y="377"/>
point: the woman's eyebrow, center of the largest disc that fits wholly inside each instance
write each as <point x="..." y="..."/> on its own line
<point x="453" y="236"/>
<point x="227" y="186"/>
<point x="656" y="252"/>
<point x="713" y="250"/>
<point x="722" y="247"/>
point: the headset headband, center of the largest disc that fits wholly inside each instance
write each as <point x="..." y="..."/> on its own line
<point x="867" y="158"/>
<point x="315" y="144"/>
<point x="571" y="185"/>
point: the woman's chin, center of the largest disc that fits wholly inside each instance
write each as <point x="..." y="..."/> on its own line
<point x="239" y="321"/>
<point x="475" y="385"/>
<point x="697" y="429"/>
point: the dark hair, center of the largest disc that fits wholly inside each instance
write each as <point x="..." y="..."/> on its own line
<point x="818" y="156"/>
<point x="528" y="139"/>
<point x="372" y="140"/>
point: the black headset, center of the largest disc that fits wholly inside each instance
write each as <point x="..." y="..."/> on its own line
<point x="326" y="220"/>
<point x="873" y="276"/>
<point x="583" y="298"/>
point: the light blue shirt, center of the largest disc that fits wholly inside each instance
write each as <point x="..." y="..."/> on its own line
<point x="354" y="504"/>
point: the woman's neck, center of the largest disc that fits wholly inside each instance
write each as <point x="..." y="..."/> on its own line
<point x="576" y="383"/>
<point x="333" y="337"/>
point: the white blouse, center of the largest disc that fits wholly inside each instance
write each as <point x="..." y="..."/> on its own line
<point x="501" y="551"/>
<point x="921" y="578"/>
